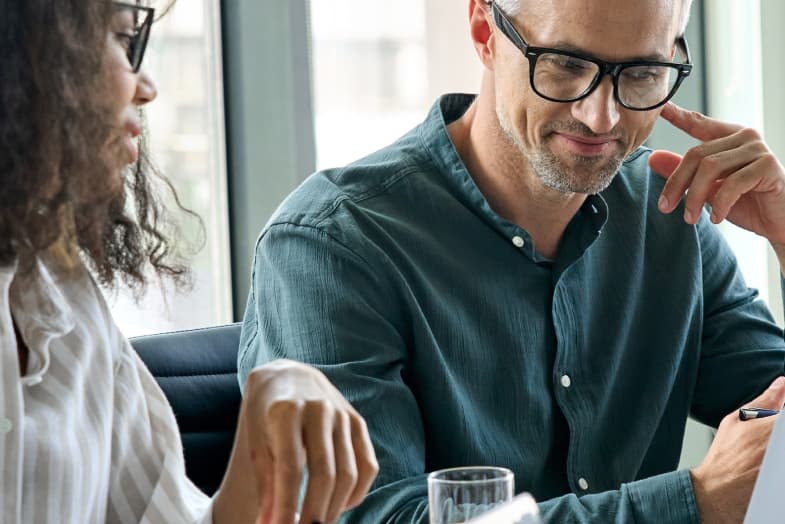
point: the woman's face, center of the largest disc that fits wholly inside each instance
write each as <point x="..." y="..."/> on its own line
<point x="128" y="91"/>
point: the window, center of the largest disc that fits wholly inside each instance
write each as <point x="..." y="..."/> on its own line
<point x="734" y="41"/>
<point x="187" y="139"/>
<point x="379" y="65"/>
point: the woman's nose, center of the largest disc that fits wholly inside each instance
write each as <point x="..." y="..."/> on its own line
<point x="145" y="89"/>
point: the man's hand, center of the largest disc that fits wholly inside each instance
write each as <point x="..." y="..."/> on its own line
<point x="732" y="170"/>
<point x="293" y="417"/>
<point x="723" y="482"/>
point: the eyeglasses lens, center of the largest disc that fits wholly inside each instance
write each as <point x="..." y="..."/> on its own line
<point x="141" y="31"/>
<point x="564" y="78"/>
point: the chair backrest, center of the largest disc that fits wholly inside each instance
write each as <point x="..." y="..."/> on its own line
<point x="197" y="371"/>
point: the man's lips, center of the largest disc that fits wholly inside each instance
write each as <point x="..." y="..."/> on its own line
<point x="584" y="145"/>
<point x="588" y="140"/>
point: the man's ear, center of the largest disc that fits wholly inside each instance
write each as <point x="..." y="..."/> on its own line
<point x="481" y="29"/>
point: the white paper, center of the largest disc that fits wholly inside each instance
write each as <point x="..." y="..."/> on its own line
<point x="520" y="510"/>
<point x="766" y="503"/>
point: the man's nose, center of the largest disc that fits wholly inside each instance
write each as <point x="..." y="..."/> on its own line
<point x="599" y="111"/>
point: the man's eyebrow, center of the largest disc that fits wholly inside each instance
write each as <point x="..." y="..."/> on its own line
<point x="572" y="48"/>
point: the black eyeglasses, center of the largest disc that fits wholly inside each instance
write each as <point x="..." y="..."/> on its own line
<point x="137" y="41"/>
<point x="563" y="76"/>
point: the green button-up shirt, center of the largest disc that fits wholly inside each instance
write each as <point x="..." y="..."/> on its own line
<point x="462" y="345"/>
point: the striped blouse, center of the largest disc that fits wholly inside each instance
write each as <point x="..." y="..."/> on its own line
<point x="86" y="435"/>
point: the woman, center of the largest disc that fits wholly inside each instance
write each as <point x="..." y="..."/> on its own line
<point x="86" y="436"/>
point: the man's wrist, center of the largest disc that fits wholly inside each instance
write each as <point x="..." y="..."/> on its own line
<point x="701" y="496"/>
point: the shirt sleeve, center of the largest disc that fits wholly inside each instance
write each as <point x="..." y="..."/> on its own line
<point x="338" y="312"/>
<point x="742" y="348"/>
<point x="148" y="482"/>
<point x="667" y="498"/>
<point x="335" y="310"/>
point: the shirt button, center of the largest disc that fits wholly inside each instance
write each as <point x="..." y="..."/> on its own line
<point x="5" y="425"/>
<point x="566" y="381"/>
<point x="518" y="241"/>
<point x="583" y="484"/>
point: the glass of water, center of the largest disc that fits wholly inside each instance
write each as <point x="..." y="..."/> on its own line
<point x="458" y="495"/>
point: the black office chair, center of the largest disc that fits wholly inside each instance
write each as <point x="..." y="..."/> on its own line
<point x="197" y="371"/>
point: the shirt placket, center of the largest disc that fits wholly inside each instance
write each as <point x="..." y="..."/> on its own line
<point x="571" y="389"/>
<point x="568" y="383"/>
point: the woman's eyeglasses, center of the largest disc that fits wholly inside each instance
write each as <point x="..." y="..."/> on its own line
<point x="137" y="40"/>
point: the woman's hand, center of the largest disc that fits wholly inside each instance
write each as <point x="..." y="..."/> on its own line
<point x="293" y="417"/>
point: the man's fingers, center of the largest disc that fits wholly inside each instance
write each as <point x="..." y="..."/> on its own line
<point x="732" y="189"/>
<point x="732" y="169"/>
<point x="700" y="167"/>
<point x="773" y="397"/>
<point x="664" y="163"/>
<point x="697" y="125"/>
<point x="318" y="419"/>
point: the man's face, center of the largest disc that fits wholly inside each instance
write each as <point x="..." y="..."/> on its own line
<point x="579" y="146"/>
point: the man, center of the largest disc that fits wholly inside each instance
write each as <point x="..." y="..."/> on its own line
<point x="511" y="284"/>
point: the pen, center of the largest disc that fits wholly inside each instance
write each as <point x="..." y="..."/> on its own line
<point x="750" y="413"/>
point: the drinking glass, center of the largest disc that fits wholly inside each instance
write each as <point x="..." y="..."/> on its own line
<point x="458" y="495"/>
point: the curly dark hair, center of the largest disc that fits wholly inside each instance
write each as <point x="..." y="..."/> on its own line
<point x="60" y="193"/>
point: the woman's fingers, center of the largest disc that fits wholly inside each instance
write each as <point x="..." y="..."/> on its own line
<point x="365" y="458"/>
<point x="345" y="466"/>
<point x="318" y="420"/>
<point x="296" y="417"/>
<point x="265" y="483"/>
<point x="286" y="447"/>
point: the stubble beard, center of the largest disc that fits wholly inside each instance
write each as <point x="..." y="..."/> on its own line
<point x="585" y="174"/>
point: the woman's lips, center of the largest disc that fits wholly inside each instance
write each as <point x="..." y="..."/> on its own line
<point x="133" y="130"/>
<point x="585" y="146"/>
<point x="132" y="147"/>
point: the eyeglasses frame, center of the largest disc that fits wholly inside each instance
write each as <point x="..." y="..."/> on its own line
<point x="532" y="53"/>
<point x="141" y="33"/>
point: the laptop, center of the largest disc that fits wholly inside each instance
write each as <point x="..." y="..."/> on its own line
<point x="767" y="496"/>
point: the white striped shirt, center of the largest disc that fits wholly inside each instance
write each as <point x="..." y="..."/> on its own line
<point x="86" y="436"/>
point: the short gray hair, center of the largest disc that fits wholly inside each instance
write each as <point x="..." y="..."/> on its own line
<point x="684" y="16"/>
<point x="510" y="7"/>
<point x="513" y="7"/>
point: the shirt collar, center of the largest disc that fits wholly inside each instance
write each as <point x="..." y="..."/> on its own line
<point x="40" y="310"/>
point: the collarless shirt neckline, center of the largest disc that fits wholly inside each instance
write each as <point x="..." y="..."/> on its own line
<point x="436" y="140"/>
